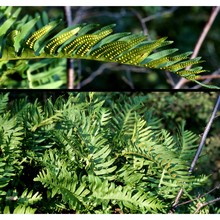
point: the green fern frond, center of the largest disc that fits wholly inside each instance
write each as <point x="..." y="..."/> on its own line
<point x="72" y="192"/>
<point x="87" y="41"/>
<point x="29" y="198"/>
<point x="21" y="209"/>
<point x="105" y="192"/>
<point x="150" y="148"/>
<point x="187" y="144"/>
<point x="22" y="204"/>
<point x="3" y="102"/>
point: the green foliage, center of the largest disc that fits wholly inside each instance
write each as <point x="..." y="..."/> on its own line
<point x="30" y="38"/>
<point x="92" y="153"/>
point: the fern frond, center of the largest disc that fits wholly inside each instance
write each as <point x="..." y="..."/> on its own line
<point x="29" y="198"/>
<point x="87" y="41"/>
<point x="3" y="102"/>
<point x="72" y="192"/>
<point x="22" y="204"/>
<point x="187" y="144"/>
<point x="47" y="73"/>
<point x="20" y="209"/>
<point x="136" y="201"/>
<point x="8" y="21"/>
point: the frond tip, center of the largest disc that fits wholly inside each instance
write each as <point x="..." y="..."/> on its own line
<point x="88" y="41"/>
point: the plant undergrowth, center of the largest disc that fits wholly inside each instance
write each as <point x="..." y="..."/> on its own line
<point x="94" y="152"/>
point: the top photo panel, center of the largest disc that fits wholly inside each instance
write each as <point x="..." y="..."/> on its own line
<point x="110" y="48"/>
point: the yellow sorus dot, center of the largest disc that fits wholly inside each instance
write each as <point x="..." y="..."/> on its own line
<point x="36" y="35"/>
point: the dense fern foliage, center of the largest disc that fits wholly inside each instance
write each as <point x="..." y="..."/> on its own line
<point x="92" y="153"/>
<point x="30" y="38"/>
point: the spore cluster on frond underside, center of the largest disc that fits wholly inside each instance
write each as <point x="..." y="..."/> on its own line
<point x="89" y="41"/>
<point x="124" y="48"/>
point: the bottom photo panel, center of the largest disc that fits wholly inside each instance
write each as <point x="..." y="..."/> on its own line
<point x="67" y="152"/>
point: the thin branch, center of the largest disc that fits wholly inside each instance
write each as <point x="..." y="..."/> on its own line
<point x="70" y="74"/>
<point x="113" y="67"/>
<point x="176" y="202"/>
<point x="70" y="62"/>
<point x="204" y="136"/>
<point x="79" y="74"/>
<point x="128" y="80"/>
<point x="160" y="14"/>
<point x="208" y="126"/>
<point x="200" y="41"/>
<point x="202" y="205"/>
<point x="205" y="194"/>
<point x="208" y="78"/>
<point x="145" y="31"/>
<point x="169" y="79"/>
<point x="205" y="31"/>
<point x="144" y="27"/>
<point x="96" y="73"/>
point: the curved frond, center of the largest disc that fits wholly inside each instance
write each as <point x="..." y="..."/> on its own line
<point x="3" y="102"/>
<point x="89" y="41"/>
<point x="105" y="192"/>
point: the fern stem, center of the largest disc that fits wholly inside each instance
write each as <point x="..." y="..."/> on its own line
<point x="161" y="179"/>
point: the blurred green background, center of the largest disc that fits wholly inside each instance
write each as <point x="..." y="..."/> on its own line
<point x="183" y="25"/>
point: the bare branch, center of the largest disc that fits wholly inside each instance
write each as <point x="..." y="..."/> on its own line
<point x="70" y="62"/>
<point x="128" y="79"/>
<point x="204" y="136"/>
<point x="205" y="31"/>
<point x="197" y="198"/>
<point x="202" y="205"/>
<point x="96" y="73"/>
<point x="200" y="41"/>
<point x="160" y="14"/>
<point x="208" y="126"/>
<point x="144" y="27"/>
<point x="208" y="78"/>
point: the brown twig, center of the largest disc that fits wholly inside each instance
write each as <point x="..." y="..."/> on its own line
<point x="200" y="41"/>
<point x="96" y="73"/>
<point x="139" y="17"/>
<point x="113" y="67"/>
<point x="204" y="136"/>
<point x="128" y="80"/>
<point x="143" y="21"/>
<point x="160" y="14"/>
<point x="205" y="194"/>
<point x="70" y="62"/>
<point x="201" y="205"/>
<point x="208" y="78"/>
